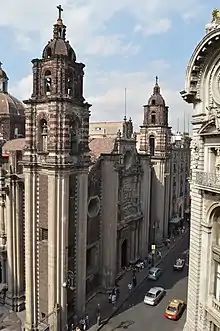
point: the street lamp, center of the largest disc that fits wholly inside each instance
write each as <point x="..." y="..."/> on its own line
<point x="69" y="283"/>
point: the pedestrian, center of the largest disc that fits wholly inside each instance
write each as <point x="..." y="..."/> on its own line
<point x="87" y="321"/>
<point x="110" y="297"/>
<point x="113" y="299"/>
<point x="160" y="255"/>
<point x="98" y="309"/>
<point x="129" y="287"/>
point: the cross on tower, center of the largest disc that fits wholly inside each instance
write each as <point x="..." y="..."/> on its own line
<point x="0" y="64"/>
<point x="156" y="80"/>
<point x="60" y="9"/>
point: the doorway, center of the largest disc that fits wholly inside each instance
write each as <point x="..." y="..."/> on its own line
<point x="124" y="247"/>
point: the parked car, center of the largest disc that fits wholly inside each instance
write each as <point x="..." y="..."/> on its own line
<point x="154" y="273"/>
<point x="154" y="295"/>
<point x="175" y="309"/>
<point x="179" y="264"/>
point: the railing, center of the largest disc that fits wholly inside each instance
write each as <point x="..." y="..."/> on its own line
<point x="216" y="304"/>
<point x="208" y="179"/>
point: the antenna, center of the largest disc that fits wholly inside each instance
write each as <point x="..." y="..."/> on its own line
<point x="178" y="125"/>
<point x="125" y="102"/>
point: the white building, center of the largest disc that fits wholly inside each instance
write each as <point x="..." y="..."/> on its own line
<point x="202" y="89"/>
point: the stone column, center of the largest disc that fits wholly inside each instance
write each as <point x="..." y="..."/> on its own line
<point x="31" y="293"/>
<point x="132" y="243"/>
<point x="63" y="225"/>
<point x="53" y="215"/>
<point x="137" y="241"/>
<point x="18" y="249"/>
<point x="10" y="246"/>
<point x="81" y="240"/>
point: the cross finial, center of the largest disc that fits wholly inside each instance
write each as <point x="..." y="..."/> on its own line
<point x="60" y="9"/>
<point x="1" y="64"/>
<point x="156" y="80"/>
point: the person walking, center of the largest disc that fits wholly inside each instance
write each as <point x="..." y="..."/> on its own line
<point x="129" y="287"/>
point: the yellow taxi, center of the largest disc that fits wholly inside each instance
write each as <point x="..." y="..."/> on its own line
<point x="174" y="309"/>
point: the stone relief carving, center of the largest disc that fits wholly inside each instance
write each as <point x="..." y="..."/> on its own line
<point x="130" y="196"/>
<point x="195" y="146"/>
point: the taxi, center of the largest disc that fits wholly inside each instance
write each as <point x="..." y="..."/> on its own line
<point x="174" y="309"/>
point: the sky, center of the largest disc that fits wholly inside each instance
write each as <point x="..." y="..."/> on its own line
<point x="124" y="44"/>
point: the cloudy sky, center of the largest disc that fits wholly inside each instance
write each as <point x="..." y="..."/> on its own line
<point x="124" y="44"/>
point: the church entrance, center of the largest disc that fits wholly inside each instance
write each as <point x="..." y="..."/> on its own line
<point x="124" y="247"/>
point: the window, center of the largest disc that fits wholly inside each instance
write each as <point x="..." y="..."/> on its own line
<point x="153" y="118"/>
<point x="43" y="234"/>
<point x="89" y="258"/>
<point x="152" y="144"/>
<point x="47" y="82"/>
<point x="217" y="281"/>
<point x="153" y="102"/>
<point x="174" y="167"/>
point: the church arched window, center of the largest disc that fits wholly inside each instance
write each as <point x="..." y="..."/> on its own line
<point x="42" y="135"/>
<point x="70" y="84"/>
<point x="152" y="144"/>
<point x="153" y="118"/>
<point x="48" y="53"/>
<point x="47" y="82"/>
<point x="153" y="102"/>
<point x="73" y="136"/>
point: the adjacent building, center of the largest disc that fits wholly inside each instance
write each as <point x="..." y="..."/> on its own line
<point x="202" y="91"/>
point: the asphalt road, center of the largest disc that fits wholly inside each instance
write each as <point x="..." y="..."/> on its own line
<point x="135" y="315"/>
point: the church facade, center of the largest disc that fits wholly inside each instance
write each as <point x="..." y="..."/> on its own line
<point x="74" y="210"/>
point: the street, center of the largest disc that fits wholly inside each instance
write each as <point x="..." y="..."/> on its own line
<point x="135" y="315"/>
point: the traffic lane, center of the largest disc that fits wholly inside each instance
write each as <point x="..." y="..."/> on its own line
<point x="143" y="317"/>
<point x="175" y="284"/>
<point x="168" y="277"/>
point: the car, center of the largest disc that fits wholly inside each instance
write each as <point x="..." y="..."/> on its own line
<point x="174" y="309"/>
<point x="154" y="273"/>
<point x="179" y="264"/>
<point x="154" y="295"/>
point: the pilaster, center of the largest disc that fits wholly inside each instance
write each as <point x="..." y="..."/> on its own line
<point x="145" y="206"/>
<point x="31" y="249"/>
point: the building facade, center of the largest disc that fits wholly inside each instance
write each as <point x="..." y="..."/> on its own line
<point x="202" y="91"/>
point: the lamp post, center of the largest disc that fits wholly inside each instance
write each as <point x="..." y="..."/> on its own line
<point x="153" y="247"/>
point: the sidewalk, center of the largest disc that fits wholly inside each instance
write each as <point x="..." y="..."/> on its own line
<point x="106" y="308"/>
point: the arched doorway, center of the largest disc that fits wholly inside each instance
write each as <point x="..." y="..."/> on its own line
<point x="124" y="247"/>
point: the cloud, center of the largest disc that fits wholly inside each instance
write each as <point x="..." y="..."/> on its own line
<point x="87" y="21"/>
<point x="105" y="91"/>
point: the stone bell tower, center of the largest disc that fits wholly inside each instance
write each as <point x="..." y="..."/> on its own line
<point x="56" y="161"/>
<point x="155" y="139"/>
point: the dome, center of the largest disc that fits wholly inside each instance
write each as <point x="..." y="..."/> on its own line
<point x="10" y="105"/>
<point x="156" y="98"/>
<point x="59" y="47"/>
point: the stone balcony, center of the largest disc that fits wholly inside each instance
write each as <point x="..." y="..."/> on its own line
<point x="216" y="305"/>
<point x="208" y="181"/>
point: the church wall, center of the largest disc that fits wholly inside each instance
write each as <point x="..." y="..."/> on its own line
<point x="43" y="244"/>
<point x="109" y="221"/>
<point x="93" y="228"/>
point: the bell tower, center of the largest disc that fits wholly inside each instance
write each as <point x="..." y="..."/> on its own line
<point x="56" y="161"/>
<point x="155" y="139"/>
